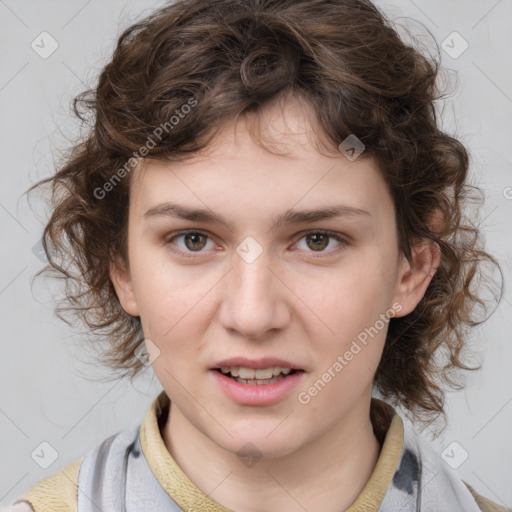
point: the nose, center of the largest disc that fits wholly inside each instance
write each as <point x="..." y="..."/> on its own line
<point x="256" y="303"/>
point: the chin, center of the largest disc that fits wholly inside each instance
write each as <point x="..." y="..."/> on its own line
<point x="259" y="444"/>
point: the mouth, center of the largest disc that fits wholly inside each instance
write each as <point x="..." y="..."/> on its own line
<point x="256" y="377"/>
<point x="256" y="382"/>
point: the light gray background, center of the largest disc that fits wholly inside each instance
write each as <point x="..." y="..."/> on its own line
<point x="49" y="393"/>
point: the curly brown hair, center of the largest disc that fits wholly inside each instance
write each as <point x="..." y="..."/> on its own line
<point x="224" y="58"/>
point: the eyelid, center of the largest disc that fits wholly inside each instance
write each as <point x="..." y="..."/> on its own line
<point x="343" y="240"/>
<point x="340" y="237"/>
<point x="334" y="234"/>
<point x="187" y="254"/>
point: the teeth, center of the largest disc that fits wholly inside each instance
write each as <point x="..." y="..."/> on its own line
<point x="246" y="373"/>
<point x="251" y="374"/>
<point x="256" y="382"/>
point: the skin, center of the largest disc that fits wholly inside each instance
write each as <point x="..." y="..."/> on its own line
<point x="295" y="301"/>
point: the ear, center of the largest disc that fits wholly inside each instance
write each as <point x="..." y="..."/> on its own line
<point x="414" y="276"/>
<point x="122" y="281"/>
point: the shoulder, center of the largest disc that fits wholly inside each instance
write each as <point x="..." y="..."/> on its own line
<point x="58" y="490"/>
<point x="421" y="471"/>
<point x="485" y="504"/>
<point x="463" y="493"/>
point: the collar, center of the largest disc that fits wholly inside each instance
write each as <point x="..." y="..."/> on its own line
<point x="387" y="425"/>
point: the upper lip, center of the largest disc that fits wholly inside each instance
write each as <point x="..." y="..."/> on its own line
<point x="255" y="364"/>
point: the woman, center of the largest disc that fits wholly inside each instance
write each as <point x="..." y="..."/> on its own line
<point x="266" y="203"/>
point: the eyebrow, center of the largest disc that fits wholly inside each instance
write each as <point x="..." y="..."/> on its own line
<point x="288" y="217"/>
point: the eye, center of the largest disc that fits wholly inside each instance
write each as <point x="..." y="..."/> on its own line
<point x="193" y="241"/>
<point x="196" y="241"/>
<point x="319" y="240"/>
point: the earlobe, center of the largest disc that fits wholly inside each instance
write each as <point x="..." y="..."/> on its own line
<point x="415" y="275"/>
<point x="121" y="279"/>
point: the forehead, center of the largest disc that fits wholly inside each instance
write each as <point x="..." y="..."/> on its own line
<point x="263" y="163"/>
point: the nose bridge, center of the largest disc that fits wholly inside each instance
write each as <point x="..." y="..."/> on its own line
<point x="253" y="280"/>
<point x="252" y="275"/>
<point x="254" y="300"/>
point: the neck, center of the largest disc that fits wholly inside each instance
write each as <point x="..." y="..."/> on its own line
<point x="327" y="474"/>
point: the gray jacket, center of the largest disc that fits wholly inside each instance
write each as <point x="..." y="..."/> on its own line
<point x="115" y="476"/>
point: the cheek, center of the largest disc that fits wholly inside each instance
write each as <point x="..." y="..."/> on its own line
<point x="357" y="312"/>
<point x="172" y="304"/>
<point x="352" y="312"/>
<point x="354" y="294"/>
<point x="164" y="291"/>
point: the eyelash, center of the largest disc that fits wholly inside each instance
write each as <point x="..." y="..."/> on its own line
<point x="191" y="254"/>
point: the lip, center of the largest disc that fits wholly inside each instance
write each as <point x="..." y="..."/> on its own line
<point x="264" y="394"/>
<point x="255" y="364"/>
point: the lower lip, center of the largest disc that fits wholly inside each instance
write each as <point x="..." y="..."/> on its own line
<point x="263" y="394"/>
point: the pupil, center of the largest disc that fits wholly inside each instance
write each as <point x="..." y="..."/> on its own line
<point x="324" y="245"/>
<point x="189" y="237"/>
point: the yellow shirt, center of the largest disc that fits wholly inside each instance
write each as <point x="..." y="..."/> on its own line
<point x="58" y="493"/>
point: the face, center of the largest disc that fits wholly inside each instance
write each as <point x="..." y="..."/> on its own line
<point x="266" y="286"/>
